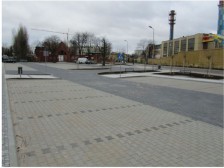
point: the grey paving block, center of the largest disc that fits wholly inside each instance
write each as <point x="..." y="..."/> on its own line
<point x="162" y="126"/>
<point x="109" y="138"/>
<point x="46" y="150"/>
<point x="87" y="142"/>
<point x="154" y="128"/>
<point x="138" y="131"/>
<point x="98" y="140"/>
<point x="60" y="148"/>
<point x="130" y="133"/>
<point x="74" y="145"/>
<point x="30" y="154"/>
<point x="120" y="136"/>
<point x="170" y="125"/>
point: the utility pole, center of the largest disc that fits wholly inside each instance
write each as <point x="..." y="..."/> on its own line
<point x="127" y="47"/>
<point x="153" y="55"/>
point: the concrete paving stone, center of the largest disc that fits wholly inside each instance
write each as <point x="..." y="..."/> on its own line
<point x="106" y="125"/>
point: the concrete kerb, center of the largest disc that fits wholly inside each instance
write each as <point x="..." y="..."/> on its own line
<point x="30" y="77"/>
<point x="156" y="74"/>
<point x="13" y="160"/>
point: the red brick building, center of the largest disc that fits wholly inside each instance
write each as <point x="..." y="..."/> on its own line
<point x="61" y="55"/>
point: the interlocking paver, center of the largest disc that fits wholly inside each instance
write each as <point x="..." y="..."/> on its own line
<point x="102" y="129"/>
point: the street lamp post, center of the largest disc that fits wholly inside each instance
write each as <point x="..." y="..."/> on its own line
<point x="153" y="42"/>
<point x="153" y="56"/>
<point x="127" y="47"/>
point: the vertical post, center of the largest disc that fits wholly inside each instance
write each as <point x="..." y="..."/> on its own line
<point x="45" y="64"/>
<point x="184" y="61"/>
<point x="120" y="68"/>
<point x="127" y="47"/>
<point x="45" y="55"/>
<point x="153" y="55"/>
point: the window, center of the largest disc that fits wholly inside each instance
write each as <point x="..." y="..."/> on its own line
<point x="205" y="45"/>
<point x="176" y="47"/>
<point x="183" y="45"/>
<point x="165" y="49"/>
<point x="191" y="44"/>
<point x="170" y="48"/>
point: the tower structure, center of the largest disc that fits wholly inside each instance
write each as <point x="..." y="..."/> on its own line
<point x="220" y="30"/>
<point x="172" y="20"/>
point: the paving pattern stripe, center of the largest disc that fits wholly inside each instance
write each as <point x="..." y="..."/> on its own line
<point x="61" y="148"/>
<point x="37" y="86"/>
<point x="75" y="112"/>
<point x="73" y="98"/>
<point x="58" y="91"/>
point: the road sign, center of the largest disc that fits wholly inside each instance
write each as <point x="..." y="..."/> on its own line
<point x="120" y="56"/>
<point x="46" y="53"/>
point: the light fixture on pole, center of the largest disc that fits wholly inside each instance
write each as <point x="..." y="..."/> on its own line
<point x="153" y="42"/>
<point x="127" y="47"/>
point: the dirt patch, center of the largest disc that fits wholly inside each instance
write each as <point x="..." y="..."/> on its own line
<point x="125" y="72"/>
<point x="192" y="75"/>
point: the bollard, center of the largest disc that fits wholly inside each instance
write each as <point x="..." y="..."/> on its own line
<point x="20" y="70"/>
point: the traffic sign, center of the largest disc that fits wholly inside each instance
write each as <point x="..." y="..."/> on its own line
<point x="120" y="56"/>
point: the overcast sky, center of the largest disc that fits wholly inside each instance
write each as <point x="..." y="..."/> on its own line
<point x="115" y="20"/>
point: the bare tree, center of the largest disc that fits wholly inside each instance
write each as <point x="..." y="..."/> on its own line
<point x="52" y="43"/>
<point x="20" y="43"/>
<point x="90" y="42"/>
<point x="79" y="41"/>
<point x="143" y="43"/>
<point x="96" y="43"/>
<point x="146" y="47"/>
<point x="105" y="50"/>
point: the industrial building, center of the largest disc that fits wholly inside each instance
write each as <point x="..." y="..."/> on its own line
<point x="195" y="42"/>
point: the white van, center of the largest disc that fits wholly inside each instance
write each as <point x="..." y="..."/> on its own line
<point x="82" y="60"/>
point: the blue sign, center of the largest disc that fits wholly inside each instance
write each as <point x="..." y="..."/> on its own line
<point x="120" y="56"/>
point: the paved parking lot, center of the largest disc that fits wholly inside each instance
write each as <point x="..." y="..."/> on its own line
<point x="63" y="123"/>
<point x="206" y="87"/>
<point x="59" y="123"/>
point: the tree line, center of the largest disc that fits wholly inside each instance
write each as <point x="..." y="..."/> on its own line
<point x="79" y="41"/>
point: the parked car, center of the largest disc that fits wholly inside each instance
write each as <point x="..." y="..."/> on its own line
<point x="5" y="58"/>
<point x="23" y="60"/>
<point x="11" y="60"/>
<point x="90" y="62"/>
<point x="82" y="60"/>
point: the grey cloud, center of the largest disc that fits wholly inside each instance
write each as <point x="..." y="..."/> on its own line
<point x="116" y="20"/>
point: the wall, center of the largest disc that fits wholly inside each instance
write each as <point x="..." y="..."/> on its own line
<point x="194" y="59"/>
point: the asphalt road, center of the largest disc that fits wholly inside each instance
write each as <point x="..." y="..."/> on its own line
<point x="201" y="106"/>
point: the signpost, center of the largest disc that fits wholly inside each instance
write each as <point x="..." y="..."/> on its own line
<point x="46" y="54"/>
<point x="120" y="57"/>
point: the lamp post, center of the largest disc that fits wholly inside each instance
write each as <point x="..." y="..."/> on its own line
<point x="153" y="55"/>
<point x="153" y="42"/>
<point x="127" y="47"/>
